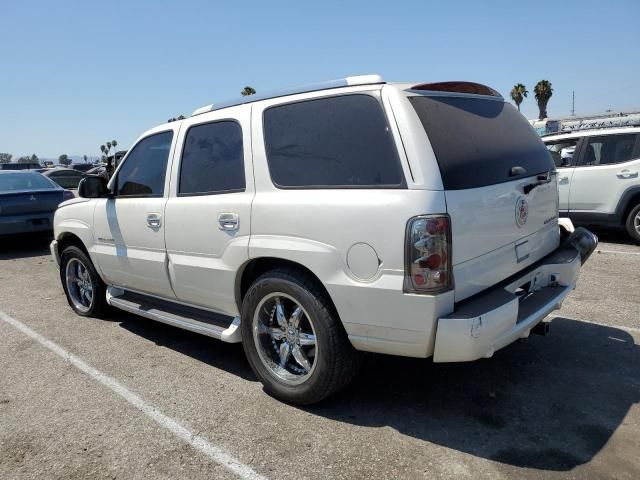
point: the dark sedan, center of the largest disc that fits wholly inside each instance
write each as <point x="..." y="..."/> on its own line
<point x="28" y="201"/>
<point x="65" y="177"/>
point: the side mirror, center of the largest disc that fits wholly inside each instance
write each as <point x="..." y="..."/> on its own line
<point x="93" y="186"/>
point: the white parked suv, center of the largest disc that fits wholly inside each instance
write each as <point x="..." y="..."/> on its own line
<point x="407" y="219"/>
<point x="598" y="176"/>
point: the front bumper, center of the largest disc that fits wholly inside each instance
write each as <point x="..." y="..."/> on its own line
<point x="493" y="319"/>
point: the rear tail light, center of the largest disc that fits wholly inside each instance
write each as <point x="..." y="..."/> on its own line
<point x="67" y="195"/>
<point x="428" y="254"/>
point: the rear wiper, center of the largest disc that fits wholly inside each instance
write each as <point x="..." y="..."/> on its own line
<point x="542" y="180"/>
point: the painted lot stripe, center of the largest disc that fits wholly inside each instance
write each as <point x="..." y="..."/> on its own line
<point x="198" y="442"/>
<point x="618" y="251"/>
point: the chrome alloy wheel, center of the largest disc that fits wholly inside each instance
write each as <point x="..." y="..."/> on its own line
<point x="285" y="338"/>
<point x="79" y="284"/>
<point x="636" y="222"/>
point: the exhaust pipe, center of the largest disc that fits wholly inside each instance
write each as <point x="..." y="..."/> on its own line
<point x="542" y="328"/>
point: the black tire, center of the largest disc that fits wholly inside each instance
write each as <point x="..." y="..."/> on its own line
<point x="337" y="361"/>
<point x="98" y="306"/>
<point x="630" y="224"/>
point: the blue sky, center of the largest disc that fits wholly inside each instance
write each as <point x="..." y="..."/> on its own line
<point x="74" y="74"/>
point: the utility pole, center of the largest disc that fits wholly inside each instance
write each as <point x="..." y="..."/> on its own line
<point x="573" y="103"/>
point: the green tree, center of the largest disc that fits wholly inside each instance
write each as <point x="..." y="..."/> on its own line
<point x="64" y="159"/>
<point x="518" y="94"/>
<point x="5" y="157"/>
<point x="25" y="159"/>
<point x="35" y="159"/>
<point x="543" y="92"/>
<point x="84" y="158"/>
<point x="248" y="91"/>
<point x="114" y="144"/>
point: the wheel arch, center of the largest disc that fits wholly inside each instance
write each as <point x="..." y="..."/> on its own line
<point x="630" y="198"/>
<point x="256" y="267"/>
<point x="67" y="239"/>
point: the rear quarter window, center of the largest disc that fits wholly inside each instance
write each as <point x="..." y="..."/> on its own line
<point x="477" y="141"/>
<point x="334" y="142"/>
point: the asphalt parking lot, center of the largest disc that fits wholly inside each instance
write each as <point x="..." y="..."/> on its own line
<point x="562" y="406"/>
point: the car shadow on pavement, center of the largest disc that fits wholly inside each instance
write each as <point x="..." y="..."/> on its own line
<point x="548" y="403"/>
<point x="225" y="356"/>
<point x="613" y="235"/>
<point x="24" y="246"/>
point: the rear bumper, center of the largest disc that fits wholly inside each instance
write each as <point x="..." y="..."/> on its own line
<point x="36" y="222"/>
<point x="495" y="318"/>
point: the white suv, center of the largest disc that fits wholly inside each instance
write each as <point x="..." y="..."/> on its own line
<point x="598" y="176"/>
<point x="407" y="219"/>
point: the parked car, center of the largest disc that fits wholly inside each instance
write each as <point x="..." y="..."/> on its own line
<point x="27" y="202"/>
<point x="82" y="167"/>
<point x="317" y="223"/>
<point x="598" y="177"/>
<point x="65" y="177"/>
<point x="19" y="166"/>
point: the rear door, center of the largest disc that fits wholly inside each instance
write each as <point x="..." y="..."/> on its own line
<point x="608" y="165"/>
<point x="129" y="228"/>
<point x="500" y="190"/>
<point x="208" y="215"/>
<point x="564" y="153"/>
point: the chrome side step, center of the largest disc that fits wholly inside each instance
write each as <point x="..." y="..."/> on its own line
<point x="197" y="320"/>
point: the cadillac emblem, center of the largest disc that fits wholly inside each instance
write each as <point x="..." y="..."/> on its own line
<point x="522" y="211"/>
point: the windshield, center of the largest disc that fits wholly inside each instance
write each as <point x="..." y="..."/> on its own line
<point x="10" y="182"/>
<point x="477" y="141"/>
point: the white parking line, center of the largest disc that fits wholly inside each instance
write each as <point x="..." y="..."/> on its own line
<point x="618" y="251"/>
<point x="196" y="441"/>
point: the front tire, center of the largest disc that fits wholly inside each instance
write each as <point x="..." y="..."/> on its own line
<point x="294" y="340"/>
<point x="85" y="290"/>
<point x="633" y="223"/>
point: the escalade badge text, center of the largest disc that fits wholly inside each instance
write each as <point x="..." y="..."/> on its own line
<point x="522" y="211"/>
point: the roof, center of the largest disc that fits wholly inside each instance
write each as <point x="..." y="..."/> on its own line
<point x="591" y="131"/>
<point x="343" y="82"/>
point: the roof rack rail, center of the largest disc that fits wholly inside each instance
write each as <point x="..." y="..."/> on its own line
<point x="601" y="125"/>
<point x="342" y="82"/>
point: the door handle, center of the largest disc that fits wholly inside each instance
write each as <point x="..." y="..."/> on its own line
<point x="228" y="221"/>
<point x="627" y="173"/>
<point x="154" y="220"/>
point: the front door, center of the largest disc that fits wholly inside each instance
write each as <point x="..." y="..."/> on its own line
<point x="607" y="166"/>
<point x="129" y="228"/>
<point x="209" y="210"/>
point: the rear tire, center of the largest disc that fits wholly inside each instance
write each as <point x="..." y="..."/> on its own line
<point x="294" y="340"/>
<point x="633" y="224"/>
<point x="85" y="290"/>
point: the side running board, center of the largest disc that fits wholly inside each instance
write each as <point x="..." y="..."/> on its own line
<point x="197" y="320"/>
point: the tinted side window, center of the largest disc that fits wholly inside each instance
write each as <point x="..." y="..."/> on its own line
<point x="609" y="149"/>
<point x="331" y="142"/>
<point x="212" y="159"/>
<point x="562" y="151"/>
<point x="145" y="168"/>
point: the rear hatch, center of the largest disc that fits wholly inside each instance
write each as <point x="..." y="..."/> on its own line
<point x="36" y="201"/>
<point x="28" y="193"/>
<point x="499" y="182"/>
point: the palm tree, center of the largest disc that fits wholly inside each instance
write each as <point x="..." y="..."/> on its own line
<point x="114" y="144"/>
<point x="108" y="148"/>
<point x="518" y="94"/>
<point x="248" y="91"/>
<point x="543" y="93"/>
<point x="103" y="149"/>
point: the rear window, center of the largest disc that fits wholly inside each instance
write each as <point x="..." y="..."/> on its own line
<point x="335" y="142"/>
<point x="11" y="182"/>
<point x="477" y="141"/>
